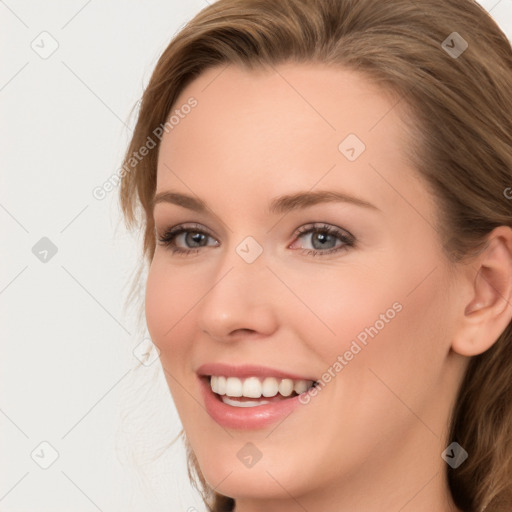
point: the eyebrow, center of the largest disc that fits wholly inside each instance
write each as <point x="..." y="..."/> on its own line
<point x="279" y="205"/>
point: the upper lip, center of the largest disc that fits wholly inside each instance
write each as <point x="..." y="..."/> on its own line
<point x="247" y="370"/>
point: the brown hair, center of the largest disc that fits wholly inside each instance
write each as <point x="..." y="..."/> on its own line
<point x="462" y="124"/>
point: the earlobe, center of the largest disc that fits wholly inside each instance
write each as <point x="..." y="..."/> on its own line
<point x="489" y="310"/>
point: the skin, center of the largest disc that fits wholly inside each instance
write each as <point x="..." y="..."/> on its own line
<point x="372" y="438"/>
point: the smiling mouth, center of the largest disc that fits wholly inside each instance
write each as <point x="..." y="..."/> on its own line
<point x="256" y="391"/>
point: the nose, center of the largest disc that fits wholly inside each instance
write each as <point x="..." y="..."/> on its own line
<point x="241" y="302"/>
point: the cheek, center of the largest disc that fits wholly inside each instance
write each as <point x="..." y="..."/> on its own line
<point x="338" y="306"/>
<point x="156" y="306"/>
<point x="167" y="301"/>
<point x="403" y="335"/>
<point x="368" y="319"/>
<point x="387" y="350"/>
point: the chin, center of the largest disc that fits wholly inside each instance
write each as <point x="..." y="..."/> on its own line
<point x="259" y="482"/>
<point x="227" y="466"/>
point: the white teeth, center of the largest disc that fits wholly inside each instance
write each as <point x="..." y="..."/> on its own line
<point x="254" y="387"/>
<point x="213" y="383"/>
<point x="233" y="386"/>
<point x="221" y="385"/>
<point x="300" y="386"/>
<point x="286" y="387"/>
<point x="270" y="387"/>
<point x="237" y="403"/>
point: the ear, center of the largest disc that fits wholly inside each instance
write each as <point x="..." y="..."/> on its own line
<point x="489" y="310"/>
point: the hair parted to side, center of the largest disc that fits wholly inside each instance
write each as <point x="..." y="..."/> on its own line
<point x="461" y="125"/>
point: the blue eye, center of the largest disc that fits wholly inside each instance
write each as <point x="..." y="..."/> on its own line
<point x="322" y="238"/>
<point x="192" y="235"/>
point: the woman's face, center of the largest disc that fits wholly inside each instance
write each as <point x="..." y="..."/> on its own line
<point x="313" y="256"/>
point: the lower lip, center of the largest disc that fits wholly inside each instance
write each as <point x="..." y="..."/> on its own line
<point x="256" y="417"/>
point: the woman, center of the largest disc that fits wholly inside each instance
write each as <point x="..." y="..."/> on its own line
<point x="327" y="227"/>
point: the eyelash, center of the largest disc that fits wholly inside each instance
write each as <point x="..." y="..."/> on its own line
<point x="348" y="240"/>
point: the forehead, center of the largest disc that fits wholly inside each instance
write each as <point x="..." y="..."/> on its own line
<point x="285" y="128"/>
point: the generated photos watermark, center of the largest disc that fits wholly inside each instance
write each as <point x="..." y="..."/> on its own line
<point x="100" y="192"/>
<point x="344" y="359"/>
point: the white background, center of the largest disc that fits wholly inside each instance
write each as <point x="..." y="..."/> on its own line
<point x="68" y="376"/>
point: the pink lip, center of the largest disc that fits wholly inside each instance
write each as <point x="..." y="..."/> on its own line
<point x="244" y="417"/>
<point x="246" y="370"/>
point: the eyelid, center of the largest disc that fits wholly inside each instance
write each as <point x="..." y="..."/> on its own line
<point x="324" y="227"/>
<point x="185" y="226"/>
